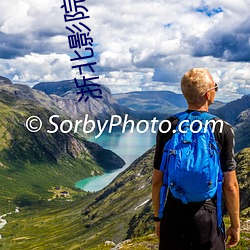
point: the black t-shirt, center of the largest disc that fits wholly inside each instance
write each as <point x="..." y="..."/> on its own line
<point x="225" y="141"/>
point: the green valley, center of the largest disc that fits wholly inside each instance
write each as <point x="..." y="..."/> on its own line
<point x="120" y="213"/>
<point x="32" y="163"/>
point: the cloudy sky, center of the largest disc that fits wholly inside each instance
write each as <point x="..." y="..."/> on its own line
<point x="138" y="45"/>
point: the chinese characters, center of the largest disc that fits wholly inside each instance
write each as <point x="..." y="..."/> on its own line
<point x="80" y="38"/>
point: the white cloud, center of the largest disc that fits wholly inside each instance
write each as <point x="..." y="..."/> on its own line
<point x="140" y="44"/>
<point x="29" y="15"/>
<point x="114" y="59"/>
<point x="35" y="68"/>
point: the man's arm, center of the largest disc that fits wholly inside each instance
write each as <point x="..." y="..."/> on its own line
<point x="156" y="187"/>
<point x="231" y="195"/>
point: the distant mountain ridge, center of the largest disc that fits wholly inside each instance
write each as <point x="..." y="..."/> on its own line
<point x="151" y="100"/>
<point x="138" y="105"/>
<point x="149" y="104"/>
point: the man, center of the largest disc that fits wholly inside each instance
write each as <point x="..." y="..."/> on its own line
<point x="194" y="225"/>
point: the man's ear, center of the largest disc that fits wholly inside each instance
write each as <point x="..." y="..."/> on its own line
<point x="207" y="95"/>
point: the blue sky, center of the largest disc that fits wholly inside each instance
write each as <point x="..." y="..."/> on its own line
<point x="139" y="45"/>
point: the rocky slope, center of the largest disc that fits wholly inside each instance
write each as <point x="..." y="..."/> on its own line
<point x="242" y="130"/>
<point x="64" y="95"/>
<point x="237" y="114"/>
<point x="232" y="110"/>
<point x="4" y="80"/>
<point x="243" y="175"/>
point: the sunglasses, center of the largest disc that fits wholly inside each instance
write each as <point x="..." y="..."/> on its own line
<point x="216" y="87"/>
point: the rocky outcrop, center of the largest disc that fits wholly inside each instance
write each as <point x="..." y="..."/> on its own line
<point x="243" y="175"/>
<point x="242" y="130"/>
<point x="106" y="158"/>
<point x="232" y="110"/>
<point x="64" y="95"/>
<point x="4" y="80"/>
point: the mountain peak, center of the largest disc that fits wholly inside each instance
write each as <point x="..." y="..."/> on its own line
<point x="4" y="80"/>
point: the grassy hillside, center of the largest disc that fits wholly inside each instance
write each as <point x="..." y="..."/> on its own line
<point x="32" y="163"/>
<point x="120" y="212"/>
<point x="84" y="222"/>
<point x="54" y="225"/>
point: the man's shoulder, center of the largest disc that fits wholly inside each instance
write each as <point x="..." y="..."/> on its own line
<point x="227" y="127"/>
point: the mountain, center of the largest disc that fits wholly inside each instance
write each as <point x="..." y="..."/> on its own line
<point x="232" y="110"/>
<point x="4" y="80"/>
<point x="35" y="166"/>
<point x="151" y="100"/>
<point x="64" y="95"/>
<point x="237" y="114"/>
<point x="242" y="130"/>
<point x="138" y="105"/>
<point x="32" y="163"/>
<point x="216" y="105"/>
<point x="149" y="104"/>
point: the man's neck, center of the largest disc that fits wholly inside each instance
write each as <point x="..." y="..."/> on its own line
<point x="198" y="107"/>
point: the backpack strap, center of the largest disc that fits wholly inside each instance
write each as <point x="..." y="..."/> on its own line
<point x="209" y="116"/>
<point x="163" y="194"/>
<point x="164" y="169"/>
<point x="164" y="188"/>
<point x="219" y="200"/>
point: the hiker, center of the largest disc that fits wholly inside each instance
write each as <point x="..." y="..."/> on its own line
<point x="188" y="224"/>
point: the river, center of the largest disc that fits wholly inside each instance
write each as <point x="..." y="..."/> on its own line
<point x="128" y="146"/>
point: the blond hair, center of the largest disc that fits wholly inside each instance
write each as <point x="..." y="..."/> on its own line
<point x="195" y="83"/>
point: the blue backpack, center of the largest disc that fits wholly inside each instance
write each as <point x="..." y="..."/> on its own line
<point x="191" y="162"/>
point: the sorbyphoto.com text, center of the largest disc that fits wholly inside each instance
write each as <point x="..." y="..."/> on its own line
<point x="87" y="126"/>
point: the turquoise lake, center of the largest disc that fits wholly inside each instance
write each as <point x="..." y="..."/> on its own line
<point x="129" y="146"/>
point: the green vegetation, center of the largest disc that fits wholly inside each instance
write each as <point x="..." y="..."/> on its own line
<point x="31" y="164"/>
<point x="244" y="235"/>
<point x="243" y="175"/>
<point x="49" y="225"/>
